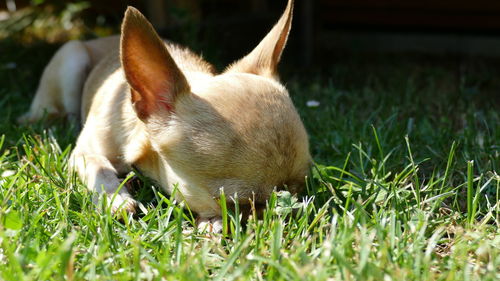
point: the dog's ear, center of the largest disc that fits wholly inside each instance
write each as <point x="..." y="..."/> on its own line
<point x="264" y="59"/>
<point x="154" y="78"/>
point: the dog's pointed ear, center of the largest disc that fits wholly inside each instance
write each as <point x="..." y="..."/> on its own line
<point x="155" y="80"/>
<point x="264" y="59"/>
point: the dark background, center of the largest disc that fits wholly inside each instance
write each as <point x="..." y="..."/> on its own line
<point x="445" y="27"/>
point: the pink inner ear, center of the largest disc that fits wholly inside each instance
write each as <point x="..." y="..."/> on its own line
<point x="153" y="75"/>
<point x="167" y="106"/>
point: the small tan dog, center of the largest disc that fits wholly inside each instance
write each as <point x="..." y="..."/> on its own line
<point x="160" y="108"/>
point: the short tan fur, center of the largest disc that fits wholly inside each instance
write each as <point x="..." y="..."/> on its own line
<point x="162" y="109"/>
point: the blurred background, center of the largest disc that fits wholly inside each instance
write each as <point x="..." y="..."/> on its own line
<point x="321" y="27"/>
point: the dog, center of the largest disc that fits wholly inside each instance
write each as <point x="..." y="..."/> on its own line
<point x="155" y="106"/>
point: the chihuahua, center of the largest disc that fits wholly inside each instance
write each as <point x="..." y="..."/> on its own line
<point x="156" y="106"/>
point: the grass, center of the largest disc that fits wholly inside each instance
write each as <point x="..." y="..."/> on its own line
<point x="405" y="187"/>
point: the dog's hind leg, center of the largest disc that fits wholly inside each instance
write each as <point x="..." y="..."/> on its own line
<point x="60" y="88"/>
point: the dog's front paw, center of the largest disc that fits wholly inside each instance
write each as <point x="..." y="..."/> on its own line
<point x="116" y="202"/>
<point x="210" y="225"/>
<point x="123" y="202"/>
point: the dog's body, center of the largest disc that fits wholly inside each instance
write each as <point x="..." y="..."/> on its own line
<point x="160" y="108"/>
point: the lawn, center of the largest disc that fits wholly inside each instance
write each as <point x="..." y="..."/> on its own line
<point x="405" y="186"/>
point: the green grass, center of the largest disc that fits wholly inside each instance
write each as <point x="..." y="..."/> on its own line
<point x="405" y="187"/>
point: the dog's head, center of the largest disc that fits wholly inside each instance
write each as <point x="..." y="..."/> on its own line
<point x="238" y="130"/>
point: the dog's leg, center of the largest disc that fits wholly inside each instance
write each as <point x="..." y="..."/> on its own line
<point x="100" y="176"/>
<point x="60" y="87"/>
<point x="210" y="225"/>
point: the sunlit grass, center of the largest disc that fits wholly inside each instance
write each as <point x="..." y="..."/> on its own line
<point x="405" y="187"/>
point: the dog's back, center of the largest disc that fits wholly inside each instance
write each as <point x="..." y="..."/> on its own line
<point x="106" y="60"/>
